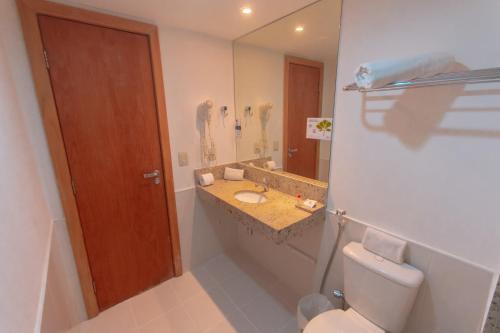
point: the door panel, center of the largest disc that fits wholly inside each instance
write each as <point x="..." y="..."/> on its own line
<point x="304" y="100"/>
<point x="104" y="91"/>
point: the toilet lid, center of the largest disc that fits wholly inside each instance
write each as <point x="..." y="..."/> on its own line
<point x="338" y="321"/>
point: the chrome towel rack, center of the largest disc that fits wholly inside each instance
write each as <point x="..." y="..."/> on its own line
<point x="464" y="77"/>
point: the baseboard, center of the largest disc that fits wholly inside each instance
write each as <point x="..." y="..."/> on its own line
<point x="43" y="286"/>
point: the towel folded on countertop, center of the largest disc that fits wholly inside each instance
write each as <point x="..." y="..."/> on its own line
<point x="379" y="73"/>
<point x="386" y="246"/>
<point x="233" y="174"/>
<point x="309" y="203"/>
<point x="270" y="165"/>
<point x="207" y="179"/>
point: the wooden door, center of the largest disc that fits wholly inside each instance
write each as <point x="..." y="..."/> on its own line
<point x="104" y="93"/>
<point x="303" y="93"/>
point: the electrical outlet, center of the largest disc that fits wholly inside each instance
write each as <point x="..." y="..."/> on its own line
<point x="276" y="145"/>
<point x="183" y="159"/>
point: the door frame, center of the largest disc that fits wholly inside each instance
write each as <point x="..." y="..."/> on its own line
<point x="29" y="11"/>
<point x="305" y="62"/>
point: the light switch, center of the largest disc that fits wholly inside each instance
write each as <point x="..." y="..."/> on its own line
<point x="276" y="145"/>
<point x="183" y="159"/>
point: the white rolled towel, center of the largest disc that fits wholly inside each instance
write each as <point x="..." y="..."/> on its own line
<point x="379" y="73"/>
<point x="207" y="179"/>
<point x="270" y="165"/>
<point x="386" y="246"/>
<point x="233" y="174"/>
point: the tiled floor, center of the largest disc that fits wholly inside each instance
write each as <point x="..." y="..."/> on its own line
<point x="230" y="293"/>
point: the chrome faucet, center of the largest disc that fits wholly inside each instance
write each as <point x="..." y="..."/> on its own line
<point x="264" y="184"/>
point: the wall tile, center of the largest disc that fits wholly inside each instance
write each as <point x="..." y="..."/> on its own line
<point x="452" y="297"/>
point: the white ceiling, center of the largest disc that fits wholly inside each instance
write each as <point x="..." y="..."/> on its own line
<point x="220" y="18"/>
<point x="318" y="41"/>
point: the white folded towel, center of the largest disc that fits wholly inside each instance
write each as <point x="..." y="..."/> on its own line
<point x="233" y="174"/>
<point x="270" y="165"/>
<point x="207" y="179"/>
<point x="310" y="203"/>
<point x="386" y="246"/>
<point x="379" y="73"/>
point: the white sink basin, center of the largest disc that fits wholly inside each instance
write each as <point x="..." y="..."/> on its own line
<point x="250" y="197"/>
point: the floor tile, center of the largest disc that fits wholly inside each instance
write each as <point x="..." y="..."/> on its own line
<point x="119" y="318"/>
<point x="285" y="296"/>
<point x="146" y="306"/>
<point x="267" y="314"/>
<point x="166" y="296"/>
<point x="208" y="309"/>
<point x="290" y="327"/>
<point x="227" y="295"/>
<point x="237" y="322"/>
<point x="174" y="321"/>
<point x="158" y="325"/>
<point x="75" y="329"/>
<point x="191" y="283"/>
<point x="241" y="289"/>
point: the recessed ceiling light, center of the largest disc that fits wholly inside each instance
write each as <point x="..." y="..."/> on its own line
<point x="299" y="28"/>
<point x="246" y="10"/>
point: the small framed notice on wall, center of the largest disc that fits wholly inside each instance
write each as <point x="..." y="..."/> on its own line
<point x="319" y="128"/>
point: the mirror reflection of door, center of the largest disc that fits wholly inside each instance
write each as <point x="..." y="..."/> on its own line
<point x="291" y="65"/>
<point x="302" y="99"/>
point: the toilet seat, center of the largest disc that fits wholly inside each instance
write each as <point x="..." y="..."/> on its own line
<point x="339" y="321"/>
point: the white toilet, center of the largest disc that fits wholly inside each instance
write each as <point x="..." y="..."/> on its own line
<point x="380" y="294"/>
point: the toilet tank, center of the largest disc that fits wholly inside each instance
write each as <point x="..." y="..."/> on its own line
<point x="381" y="291"/>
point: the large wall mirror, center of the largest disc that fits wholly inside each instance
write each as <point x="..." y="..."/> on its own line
<point x="285" y="75"/>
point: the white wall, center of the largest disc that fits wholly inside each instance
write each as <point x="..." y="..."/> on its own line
<point x="25" y="217"/>
<point x="21" y="76"/>
<point x="63" y="306"/>
<point x="197" y="68"/>
<point x="428" y="170"/>
<point x="293" y="263"/>
<point x="422" y="164"/>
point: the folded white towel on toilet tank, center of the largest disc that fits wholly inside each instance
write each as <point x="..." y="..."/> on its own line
<point x="386" y="246"/>
<point x="379" y="73"/>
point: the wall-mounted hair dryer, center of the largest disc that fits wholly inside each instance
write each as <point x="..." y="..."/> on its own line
<point x="265" y="112"/>
<point x="208" y="151"/>
<point x="265" y="115"/>
<point x="205" y="110"/>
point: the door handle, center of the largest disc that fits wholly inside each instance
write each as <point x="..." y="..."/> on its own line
<point x="291" y="151"/>
<point x="155" y="174"/>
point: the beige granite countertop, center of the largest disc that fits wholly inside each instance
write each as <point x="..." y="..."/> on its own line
<point x="278" y="215"/>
